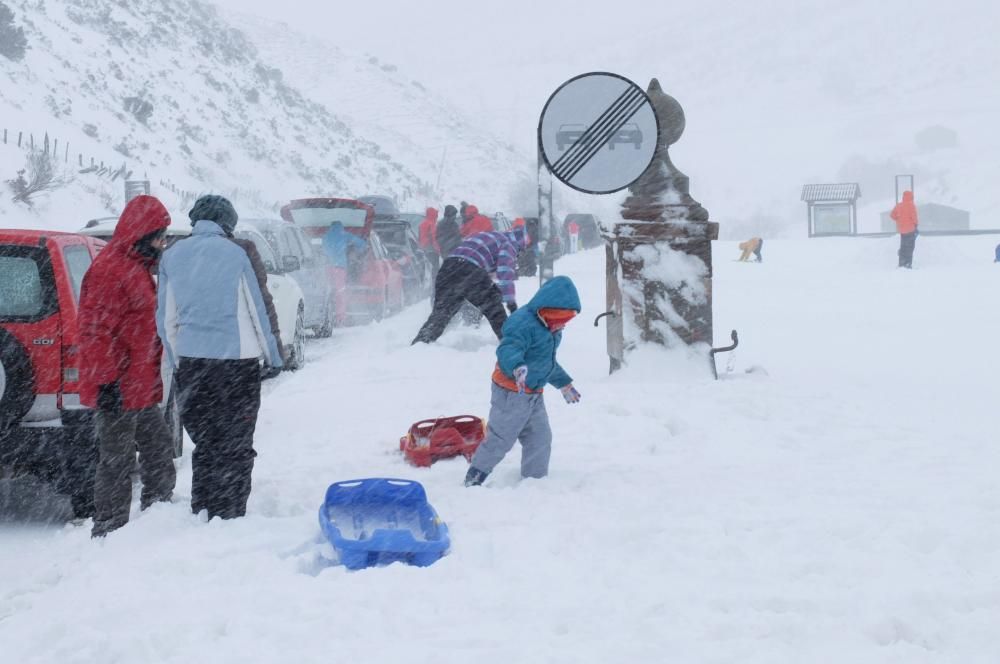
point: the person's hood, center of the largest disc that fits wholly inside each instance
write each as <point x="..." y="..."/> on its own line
<point x="142" y="216"/>
<point x="471" y="212"/>
<point x="450" y="211"/>
<point x="556" y="293"/>
<point x="431" y="214"/>
<point x="907" y="196"/>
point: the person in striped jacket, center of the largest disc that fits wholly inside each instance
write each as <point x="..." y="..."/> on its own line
<point x="466" y="275"/>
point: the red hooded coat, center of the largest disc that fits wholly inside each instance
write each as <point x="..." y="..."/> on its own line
<point x="477" y="223"/>
<point x="428" y="231"/>
<point x="117" y="316"/>
<point x="905" y="214"/>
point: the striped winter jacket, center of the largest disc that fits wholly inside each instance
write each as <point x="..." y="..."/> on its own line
<point x="495" y="252"/>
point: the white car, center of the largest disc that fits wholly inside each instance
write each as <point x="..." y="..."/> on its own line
<point x="289" y="302"/>
<point x="104" y="227"/>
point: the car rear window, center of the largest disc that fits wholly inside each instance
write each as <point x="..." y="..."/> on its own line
<point x="27" y="288"/>
<point x="322" y="217"/>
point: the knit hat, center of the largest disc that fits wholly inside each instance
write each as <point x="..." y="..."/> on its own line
<point x="214" y="208"/>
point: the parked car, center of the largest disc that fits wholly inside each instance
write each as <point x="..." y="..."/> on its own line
<point x="414" y="219"/>
<point x="403" y="246"/>
<point x="104" y="227"/>
<point x="384" y="206"/>
<point x="289" y="301"/>
<point x="306" y="264"/>
<point x="372" y="287"/>
<point x="44" y="428"/>
<point x="501" y="222"/>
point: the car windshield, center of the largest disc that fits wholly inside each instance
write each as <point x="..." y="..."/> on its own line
<point x="394" y="236"/>
<point x="322" y="217"/>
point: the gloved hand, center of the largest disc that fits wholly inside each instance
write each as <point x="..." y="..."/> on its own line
<point x="570" y="394"/>
<point x="520" y="377"/>
<point x="512" y="307"/>
<point x="109" y="398"/>
<point x="267" y="372"/>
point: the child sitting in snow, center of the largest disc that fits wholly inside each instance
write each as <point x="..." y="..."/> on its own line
<point x="526" y="362"/>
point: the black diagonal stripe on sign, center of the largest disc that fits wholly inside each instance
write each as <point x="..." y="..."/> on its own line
<point x="598" y="137"/>
<point x="585" y="137"/>
<point x="614" y="129"/>
<point x="615" y="124"/>
<point x="593" y="132"/>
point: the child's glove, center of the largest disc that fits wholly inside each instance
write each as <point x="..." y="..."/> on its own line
<point x="570" y="394"/>
<point x="512" y="307"/>
<point x="520" y="377"/>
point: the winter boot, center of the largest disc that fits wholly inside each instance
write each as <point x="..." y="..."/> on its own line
<point x="475" y="477"/>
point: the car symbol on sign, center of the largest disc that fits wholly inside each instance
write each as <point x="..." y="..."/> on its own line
<point x="569" y="134"/>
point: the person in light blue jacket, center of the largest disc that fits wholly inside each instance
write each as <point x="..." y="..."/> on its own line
<point x="339" y="242"/>
<point x="526" y="363"/>
<point x="215" y="331"/>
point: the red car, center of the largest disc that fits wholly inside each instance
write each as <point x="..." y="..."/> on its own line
<point x="372" y="285"/>
<point x="44" y="429"/>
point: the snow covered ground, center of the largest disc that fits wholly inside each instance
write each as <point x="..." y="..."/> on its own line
<point x="841" y="507"/>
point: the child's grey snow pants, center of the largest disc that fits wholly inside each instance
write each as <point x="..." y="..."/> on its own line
<point x="515" y="417"/>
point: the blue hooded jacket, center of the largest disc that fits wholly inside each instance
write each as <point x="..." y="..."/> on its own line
<point x="338" y="241"/>
<point x="528" y="341"/>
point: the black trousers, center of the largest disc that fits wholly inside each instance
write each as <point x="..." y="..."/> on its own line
<point x="756" y="252"/>
<point x="459" y="280"/>
<point x="219" y="400"/>
<point x="907" y="241"/>
<point x="119" y="436"/>
<point x="434" y="260"/>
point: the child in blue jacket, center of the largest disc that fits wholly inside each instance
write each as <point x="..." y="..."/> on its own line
<point x="526" y="362"/>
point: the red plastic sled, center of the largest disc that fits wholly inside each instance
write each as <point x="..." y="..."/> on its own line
<point x="442" y="438"/>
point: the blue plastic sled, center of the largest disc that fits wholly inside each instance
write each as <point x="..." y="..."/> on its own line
<point x="379" y="521"/>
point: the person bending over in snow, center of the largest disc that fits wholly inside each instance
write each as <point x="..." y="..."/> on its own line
<point x="751" y="246"/>
<point x="465" y="275"/>
<point x="526" y="362"/>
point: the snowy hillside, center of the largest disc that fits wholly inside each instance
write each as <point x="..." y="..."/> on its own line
<point x="437" y="136"/>
<point x="841" y="507"/>
<point x="175" y="92"/>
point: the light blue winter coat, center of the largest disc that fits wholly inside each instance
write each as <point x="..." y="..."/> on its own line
<point x="209" y="304"/>
<point x="338" y="242"/>
<point x="528" y="341"/>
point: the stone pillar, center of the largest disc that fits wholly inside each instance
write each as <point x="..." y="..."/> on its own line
<point x="659" y="258"/>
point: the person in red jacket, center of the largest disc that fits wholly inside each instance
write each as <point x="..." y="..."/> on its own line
<point x="474" y="222"/>
<point x="428" y="240"/>
<point x="120" y="365"/>
<point x="905" y="216"/>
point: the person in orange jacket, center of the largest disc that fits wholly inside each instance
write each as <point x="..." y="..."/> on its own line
<point x="428" y="240"/>
<point x="474" y="222"/>
<point x="905" y="216"/>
